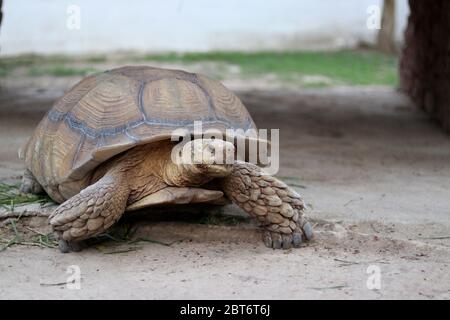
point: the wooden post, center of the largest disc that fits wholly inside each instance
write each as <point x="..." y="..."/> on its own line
<point x="386" y="35"/>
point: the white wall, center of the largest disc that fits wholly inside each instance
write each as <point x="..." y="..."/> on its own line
<point x="187" y="25"/>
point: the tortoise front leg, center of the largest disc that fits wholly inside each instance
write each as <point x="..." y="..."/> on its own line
<point x="275" y="205"/>
<point x="91" y="212"/>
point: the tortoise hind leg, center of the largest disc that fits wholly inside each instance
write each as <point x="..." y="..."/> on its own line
<point x="90" y="212"/>
<point x="30" y="184"/>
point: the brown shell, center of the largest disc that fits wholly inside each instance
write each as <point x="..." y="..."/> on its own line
<point x="108" y="113"/>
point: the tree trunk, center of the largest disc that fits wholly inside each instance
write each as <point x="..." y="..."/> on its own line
<point x="425" y="62"/>
<point x="386" y="35"/>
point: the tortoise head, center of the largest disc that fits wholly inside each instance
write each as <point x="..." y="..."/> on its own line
<point x="212" y="157"/>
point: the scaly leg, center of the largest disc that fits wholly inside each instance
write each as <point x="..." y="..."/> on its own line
<point x="275" y="205"/>
<point x="30" y="184"/>
<point x="92" y="211"/>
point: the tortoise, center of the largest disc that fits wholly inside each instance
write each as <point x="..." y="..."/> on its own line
<point x="105" y="148"/>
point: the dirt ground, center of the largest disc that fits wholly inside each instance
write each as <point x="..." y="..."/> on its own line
<point x="374" y="171"/>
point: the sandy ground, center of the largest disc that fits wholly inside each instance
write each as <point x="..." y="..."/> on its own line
<point x="374" y="171"/>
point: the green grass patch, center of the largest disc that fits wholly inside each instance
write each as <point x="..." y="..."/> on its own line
<point x="37" y="239"/>
<point x="8" y="64"/>
<point x="55" y="64"/>
<point x="345" y="67"/>
<point x="10" y="197"/>
<point x="59" y="71"/>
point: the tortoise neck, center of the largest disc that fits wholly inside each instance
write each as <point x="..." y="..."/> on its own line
<point x="149" y="168"/>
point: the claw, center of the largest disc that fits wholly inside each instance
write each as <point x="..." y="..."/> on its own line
<point x="297" y="239"/>
<point x="63" y="246"/>
<point x="267" y="238"/>
<point x="287" y="241"/>
<point x="277" y="241"/>
<point x="69" y="246"/>
<point x="308" y="231"/>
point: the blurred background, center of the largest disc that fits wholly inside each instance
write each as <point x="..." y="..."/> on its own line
<point x="265" y="43"/>
<point x="190" y="25"/>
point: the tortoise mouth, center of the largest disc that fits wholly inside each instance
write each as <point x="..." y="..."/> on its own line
<point x="216" y="170"/>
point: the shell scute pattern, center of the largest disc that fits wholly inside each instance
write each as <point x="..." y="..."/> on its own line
<point x="110" y="112"/>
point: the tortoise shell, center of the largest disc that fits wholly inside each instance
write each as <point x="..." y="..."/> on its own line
<point x="108" y="113"/>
